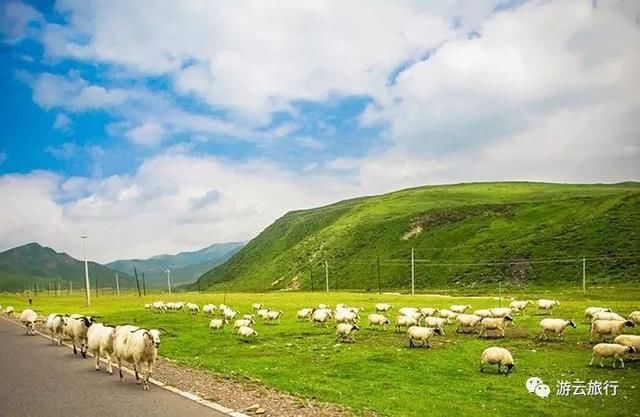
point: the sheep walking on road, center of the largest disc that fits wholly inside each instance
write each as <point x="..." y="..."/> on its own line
<point x="55" y="324"/>
<point x="29" y="317"/>
<point x="100" y="343"/>
<point x="138" y="347"/>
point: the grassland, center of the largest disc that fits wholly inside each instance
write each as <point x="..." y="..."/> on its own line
<point x="468" y="234"/>
<point x="379" y="372"/>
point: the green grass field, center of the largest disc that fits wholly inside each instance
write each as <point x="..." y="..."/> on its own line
<point x="379" y="372"/>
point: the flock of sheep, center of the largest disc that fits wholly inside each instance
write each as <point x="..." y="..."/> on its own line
<point x="126" y="343"/>
<point x="139" y="346"/>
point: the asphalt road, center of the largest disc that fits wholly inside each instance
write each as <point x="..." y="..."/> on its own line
<point x="38" y="379"/>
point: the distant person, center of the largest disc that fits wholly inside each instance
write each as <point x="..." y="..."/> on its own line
<point x="30" y="301"/>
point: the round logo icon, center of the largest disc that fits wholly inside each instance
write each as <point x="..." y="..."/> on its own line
<point x="532" y="383"/>
<point x="542" y="390"/>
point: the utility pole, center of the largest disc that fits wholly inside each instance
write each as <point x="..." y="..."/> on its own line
<point x="584" y="275"/>
<point x="326" y="274"/>
<point x="311" y="275"/>
<point x="135" y="272"/>
<point x="378" y="268"/>
<point x="86" y="271"/>
<point x="168" y="271"/>
<point x="413" y="273"/>
<point x="117" y="284"/>
<point x="144" y="285"/>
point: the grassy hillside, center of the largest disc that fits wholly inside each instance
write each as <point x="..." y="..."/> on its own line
<point x="463" y="235"/>
<point x="32" y="264"/>
<point x="185" y="267"/>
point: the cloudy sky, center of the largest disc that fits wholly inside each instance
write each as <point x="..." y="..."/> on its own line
<point x="161" y="126"/>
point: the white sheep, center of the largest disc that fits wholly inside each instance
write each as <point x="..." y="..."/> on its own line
<point x="356" y="310"/>
<point x="273" y="316"/>
<point x="429" y="311"/>
<point x="217" y="324"/>
<point x="346" y="332"/>
<point x="555" y="326"/>
<point x="28" y="318"/>
<point x="100" y="343"/>
<point x="383" y="307"/>
<point x="242" y="322"/>
<point x="494" y="324"/>
<point x="55" y="325"/>
<point x="9" y="311"/>
<point x="459" y="308"/>
<point x="76" y="327"/>
<point x="147" y="306"/>
<point x="340" y="305"/>
<point x="229" y="314"/>
<point x="611" y="350"/>
<point x="607" y="315"/>
<point x="321" y="315"/>
<point x="138" y="347"/>
<point x="468" y="323"/>
<point x="499" y="312"/>
<point x="422" y="334"/>
<point x="378" y="320"/>
<point x="304" y="314"/>
<point x="518" y="306"/>
<point x="223" y="307"/>
<point x="161" y="306"/>
<point x="635" y="317"/>
<point x="247" y="333"/>
<point x="346" y="316"/>
<point x="547" y="305"/>
<point x="192" y="308"/>
<point x="497" y="356"/>
<point x="448" y="314"/>
<point x="484" y="313"/>
<point x="209" y="309"/>
<point x="409" y="311"/>
<point x="628" y="340"/>
<point x="251" y="317"/>
<point x="405" y="321"/>
<point x="257" y="306"/>
<point x="262" y="313"/>
<point x="611" y="328"/>
<point x="436" y="322"/>
<point x="590" y="311"/>
<point x="322" y="307"/>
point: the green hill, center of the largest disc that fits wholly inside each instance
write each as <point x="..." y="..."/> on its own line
<point x="32" y="264"/>
<point x="185" y="267"/>
<point x="462" y="235"/>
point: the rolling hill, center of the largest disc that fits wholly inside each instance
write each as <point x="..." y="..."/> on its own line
<point x="33" y="264"/>
<point x="186" y="267"/>
<point x="462" y="235"/>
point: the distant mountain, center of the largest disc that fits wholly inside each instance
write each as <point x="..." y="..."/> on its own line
<point x="185" y="266"/>
<point x="33" y="264"/>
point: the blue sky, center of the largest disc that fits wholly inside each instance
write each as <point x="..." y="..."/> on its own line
<point x="124" y="118"/>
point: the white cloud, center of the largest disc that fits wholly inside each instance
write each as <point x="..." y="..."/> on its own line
<point x="15" y="18"/>
<point x="3" y="157"/>
<point x="309" y="142"/>
<point x="62" y="122"/>
<point x="148" y="133"/>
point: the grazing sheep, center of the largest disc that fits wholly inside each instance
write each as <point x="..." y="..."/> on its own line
<point x="55" y="325"/>
<point x="346" y="332"/>
<point x="356" y="310"/>
<point x="448" y="314"/>
<point x="555" y="326"/>
<point x="257" y="306"/>
<point x="484" y="313"/>
<point x="378" y="319"/>
<point x="429" y="311"/>
<point x="209" y="309"/>
<point x="459" y="308"/>
<point x="628" y="340"/>
<point x="405" y="321"/>
<point x="304" y="314"/>
<point x="346" y="316"/>
<point x="217" y="324"/>
<point x="436" y="322"/>
<point x="160" y="306"/>
<point x="422" y="334"/>
<point x="499" y="312"/>
<point x="590" y="311"/>
<point x="273" y="316"/>
<point x="547" y="305"/>
<point x="76" y="328"/>
<point x="262" y="313"/>
<point x="100" y="343"/>
<point x="497" y="324"/>
<point x="383" y="307"/>
<point x="251" y="317"/>
<point x="321" y="315"/>
<point x="9" y="311"/>
<point x="138" y="347"/>
<point x="229" y="314"/>
<point x="247" y="333"/>
<point x="340" y="305"/>
<point x="635" y="317"/>
<point x="193" y="308"/>
<point x="223" y="307"/>
<point x="613" y="328"/>
<point x="611" y="350"/>
<point x="29" y="317"/>
<point x="497" y="356"/>
<point x="607" y="315"/>
<point x="409" y="311"/>
<point x="242" y="322"/>
<point x="147" y="306"/>
<point x="468" y="323"/>
<point x="518" y="306"/>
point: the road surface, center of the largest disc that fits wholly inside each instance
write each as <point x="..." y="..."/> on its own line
<point x="38" y="379"/>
